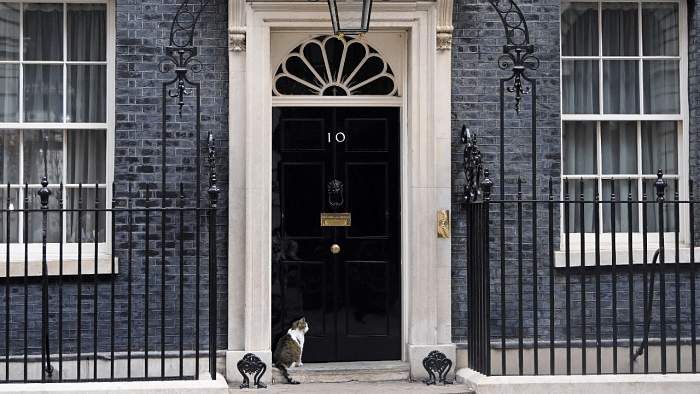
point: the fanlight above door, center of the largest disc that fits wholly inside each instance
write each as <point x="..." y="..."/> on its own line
<point x="332" y="66"/>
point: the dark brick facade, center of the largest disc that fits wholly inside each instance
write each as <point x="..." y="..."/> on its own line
<point x="694" y="100"/>
<point x="142" y="33"/>
<point x="143" y="29"/>
<point x="476" y="47"/>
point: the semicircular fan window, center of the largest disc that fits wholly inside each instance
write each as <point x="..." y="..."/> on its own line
<point x="331" y="66"/>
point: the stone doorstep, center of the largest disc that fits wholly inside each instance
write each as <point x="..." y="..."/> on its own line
<point x="581" y="384"/>
<point x="203" y="386"/>
<point x="363" y="371"/>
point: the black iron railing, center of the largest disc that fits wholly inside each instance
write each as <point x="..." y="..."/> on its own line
<point x="145" y="314"/>
<point x="604" y="297"/>
<point x="140" y="300"/>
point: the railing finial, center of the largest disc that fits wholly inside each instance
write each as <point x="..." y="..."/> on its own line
<point x="473" y="166"/>
<point x="660" y="185"/>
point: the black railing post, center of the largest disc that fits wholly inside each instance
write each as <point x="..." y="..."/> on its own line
<point x="677" y="268"/>
<point x="660" y="186"/>
<point x="486" y="186"/>
<point x="551" y="278"/>
<point x="46" y="367"/>
<point x="61" y="232"/>
<point x="213" y="208"/>
<point x="693" y="332"/>
<point x="8" y="239"/>
<point x="630" y="271"/>
<point x="96" y="280"/>
<point x="520" y="280"/>
<point x="567" y="243"/>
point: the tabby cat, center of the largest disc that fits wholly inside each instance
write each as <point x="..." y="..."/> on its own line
<point x="289" y="348"/>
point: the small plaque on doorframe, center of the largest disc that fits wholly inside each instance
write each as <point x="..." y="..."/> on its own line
<point x="335" y="219"/>
<point x="443" y="220"/>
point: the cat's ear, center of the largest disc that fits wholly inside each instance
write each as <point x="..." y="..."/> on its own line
<point x="303" y="320"/>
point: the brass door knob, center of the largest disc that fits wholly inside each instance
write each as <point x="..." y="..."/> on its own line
<point x="335" y="249"/>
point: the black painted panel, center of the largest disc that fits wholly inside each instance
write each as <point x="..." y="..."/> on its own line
<point x="367" y="303"/>
<point x="302" y="134"/>
<point x="367" y="199"/>
<point x="367" y="134"/>
<point x="303" y="191"/>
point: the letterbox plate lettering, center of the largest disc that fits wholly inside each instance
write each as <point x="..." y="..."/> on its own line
<point x="335" y="219"/>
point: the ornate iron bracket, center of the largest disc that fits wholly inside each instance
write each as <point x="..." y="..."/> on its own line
<point x="473" y="166"/>
<point x="251" y="364"/>
<point x="437" y="362"/>
<point x="213" y="188"/>
<point x="181" y="52"/>
<point x="517" y="53"/>
<point x="335" y="193"/>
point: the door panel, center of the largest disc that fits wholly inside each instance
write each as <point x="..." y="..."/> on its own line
<point x="302" y="185"/>
<point x="351" y="300"/>
<point x="367" y="199"/>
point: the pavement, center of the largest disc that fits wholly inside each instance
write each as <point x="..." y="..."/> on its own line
<point x="399" y="386"/>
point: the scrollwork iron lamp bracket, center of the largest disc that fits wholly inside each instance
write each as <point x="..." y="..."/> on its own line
<point x="181" y="52"/>
<point x="517" y="53"/>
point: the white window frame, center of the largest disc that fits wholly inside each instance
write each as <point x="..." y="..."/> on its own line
<point x="621" y="240"/>
<point x="34" y="251"/>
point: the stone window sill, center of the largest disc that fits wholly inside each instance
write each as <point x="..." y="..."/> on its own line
<point x="622" y="255"/>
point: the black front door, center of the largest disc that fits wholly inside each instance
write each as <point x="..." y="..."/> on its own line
<point x="351" y="299"/>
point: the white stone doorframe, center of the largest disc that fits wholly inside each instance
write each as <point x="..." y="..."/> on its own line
<point x="425" y="173"/>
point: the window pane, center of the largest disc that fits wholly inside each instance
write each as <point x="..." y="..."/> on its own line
<point x="43" y="31"/>
<point x="86" y="152"/>
<point x="580" y="87"/>
<point x="653" y="209"/>
<point x="660" y="29"/>
<point x="84" y="222"/>
<point x="623" y="219"/>
<point x="9" y="93"/>
<point x="87" y="32"/>
<point x="618" y="147"/>
<point x="87" y="89"/>
<point x="9" y="31"/>
<point x="661" y="87"/>
<point x="35" y="219"/>
<point x="579" y="148"/>
<point x="581" y="214"/>
<point x="620" y="87"/>
<point x="579" y="29"/>
<point x="43" y="156"/>
<point x="43" y="87"/>
<point x="620" y="29"/>
<point x="9" y="157"/>
<point x="660" y="147"/>
<point x="10" y="207"/>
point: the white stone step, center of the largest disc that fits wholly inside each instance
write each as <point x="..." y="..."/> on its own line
<point x="362" y="371"/>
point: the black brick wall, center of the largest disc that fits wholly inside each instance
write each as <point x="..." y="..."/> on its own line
<point x="476" y="48"/>
<point x="143" y="28"/>
<point x="477" y="45"/>
<point x="694" y="101"/>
